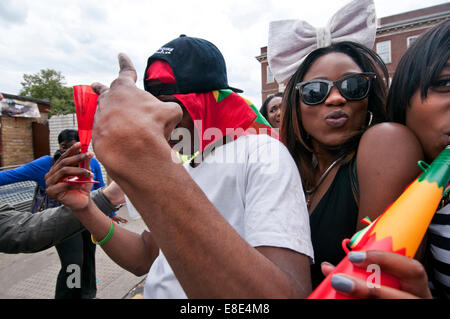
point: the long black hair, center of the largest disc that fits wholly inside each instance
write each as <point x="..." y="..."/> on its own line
<point x="418" y="68"/>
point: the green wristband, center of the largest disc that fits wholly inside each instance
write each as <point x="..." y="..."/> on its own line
<point x="108" y="236"/>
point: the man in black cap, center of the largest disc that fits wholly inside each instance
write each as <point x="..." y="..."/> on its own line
<point x="230" y="224"/>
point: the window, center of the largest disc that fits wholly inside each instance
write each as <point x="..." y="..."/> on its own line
<point x="410" y="40"/>
<point x="270" y="78"/>
<point x="384" y="51"/>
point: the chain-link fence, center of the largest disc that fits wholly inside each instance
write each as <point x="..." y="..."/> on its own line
<point x="19" y="195"/>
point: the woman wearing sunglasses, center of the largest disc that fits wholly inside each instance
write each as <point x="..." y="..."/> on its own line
<point x="351" y="166"/>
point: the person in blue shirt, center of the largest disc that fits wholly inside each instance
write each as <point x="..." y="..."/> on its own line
<point x="36" y="170"/>
<point x="79" y="249"/>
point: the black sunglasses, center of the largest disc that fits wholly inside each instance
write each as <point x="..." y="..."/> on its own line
<point x="353" y="87"/>
<point x="162" y="89"/>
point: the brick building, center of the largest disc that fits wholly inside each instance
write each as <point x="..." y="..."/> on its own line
<point x="23" y="139"/>
<point x="394" y="34"/>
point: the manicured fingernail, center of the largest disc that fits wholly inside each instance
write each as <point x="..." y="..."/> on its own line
<point x="341" y="283"/>
<point x="357" y="256"/>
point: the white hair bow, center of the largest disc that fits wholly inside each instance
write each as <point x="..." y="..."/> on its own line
<point x="290" y="41"/>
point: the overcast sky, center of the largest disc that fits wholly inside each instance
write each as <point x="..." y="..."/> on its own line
<point x="81" y="38"/>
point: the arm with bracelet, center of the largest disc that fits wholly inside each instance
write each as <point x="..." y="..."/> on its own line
<point x="134" y="252"/>
<point x="24" y="232"/>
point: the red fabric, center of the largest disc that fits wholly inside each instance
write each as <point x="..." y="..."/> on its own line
<point x="260" y="128"/>
<point x="232" y="115"/>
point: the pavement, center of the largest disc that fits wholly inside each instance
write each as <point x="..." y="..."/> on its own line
<point x="33" y="276"/>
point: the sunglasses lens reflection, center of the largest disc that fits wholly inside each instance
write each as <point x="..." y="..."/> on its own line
<point x="355" y="88"/>
<point x="315" y="92"/>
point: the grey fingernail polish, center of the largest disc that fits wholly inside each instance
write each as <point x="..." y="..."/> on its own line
<point x="341" y="283"/>
<point x="356" y="256"/>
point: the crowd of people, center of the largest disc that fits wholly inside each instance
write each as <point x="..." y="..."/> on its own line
<point x="348" y="146"/>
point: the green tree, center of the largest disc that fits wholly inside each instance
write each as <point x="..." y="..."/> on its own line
<point x="49" y="84"/>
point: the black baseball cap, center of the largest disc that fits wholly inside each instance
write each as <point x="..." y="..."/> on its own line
<point x="197" y="64"/>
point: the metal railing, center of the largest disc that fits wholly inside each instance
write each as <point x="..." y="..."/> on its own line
<point x="20" y="194"/>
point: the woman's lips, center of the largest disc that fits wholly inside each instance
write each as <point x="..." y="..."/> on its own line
<point x="336" y="119"/>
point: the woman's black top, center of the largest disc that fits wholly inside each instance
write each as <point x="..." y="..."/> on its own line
<point x="333" y="220"/>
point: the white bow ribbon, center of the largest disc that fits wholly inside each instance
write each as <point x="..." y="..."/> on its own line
<point x="290" y="41"/>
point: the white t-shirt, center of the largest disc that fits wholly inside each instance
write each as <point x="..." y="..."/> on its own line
<point x="254" y="183"/>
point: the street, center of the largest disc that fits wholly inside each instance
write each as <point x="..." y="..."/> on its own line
<point x="33" y="276"/>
